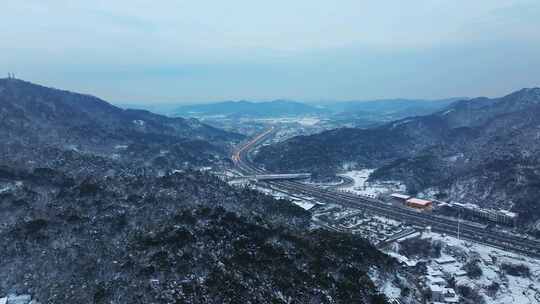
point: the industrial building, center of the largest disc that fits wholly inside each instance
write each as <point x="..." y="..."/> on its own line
<point x="400" y="197"/>
<point x="412" y="202"/>
<point x="419" y="203"/>
<point x="497" y="216"/>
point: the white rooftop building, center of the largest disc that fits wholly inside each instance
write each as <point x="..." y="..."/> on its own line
<point x="399" y="196"/>
<point x="445" y="260"/>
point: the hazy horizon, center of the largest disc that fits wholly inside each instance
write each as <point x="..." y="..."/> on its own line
<point x="180" y="52"/>
<point x="308" y="102"/>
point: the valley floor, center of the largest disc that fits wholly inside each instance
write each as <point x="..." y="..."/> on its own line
<point x="503" y="277"/>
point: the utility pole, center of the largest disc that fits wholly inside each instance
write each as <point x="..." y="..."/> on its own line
<point x="458" y="224"/>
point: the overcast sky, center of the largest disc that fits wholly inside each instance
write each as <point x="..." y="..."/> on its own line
<point x="200" y="51"/>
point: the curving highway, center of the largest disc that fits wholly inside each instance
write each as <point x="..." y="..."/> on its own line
<point x="438" y="224"/>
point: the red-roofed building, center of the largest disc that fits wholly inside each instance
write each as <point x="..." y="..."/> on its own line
<point x="420" y="203"/>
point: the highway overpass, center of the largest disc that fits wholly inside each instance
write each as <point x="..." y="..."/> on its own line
<point x="448" y="226"/>
<point x="270" y="177"/>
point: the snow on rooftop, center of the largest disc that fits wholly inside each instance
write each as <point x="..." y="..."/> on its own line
<point x="508" y="213"/>
<point x="410" y="236"/>
<point x="437" y="281"/>
<point x="460" y="273"/>
<point x="402" y="259"/>
<point x="436" y="288"/>
<point x="400" y="196"/>
<point x="466" y="205"/>
<point x="434" y="272"/>
<point x="303" y="204"/>
<point x="445" y="260"/>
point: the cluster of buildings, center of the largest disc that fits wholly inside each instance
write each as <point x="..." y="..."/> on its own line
<point x="441" y="294"/>
<point x="493" y="215"/>
<point x="434" y="282"/>
<point x="435" y="279"/>
<point x="380" y="231"/>
<point x="497" y="216"/>
<point x="413" y="202"/>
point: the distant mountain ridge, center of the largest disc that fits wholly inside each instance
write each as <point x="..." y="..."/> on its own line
<point x="63" y="109"/>
<point x="390" y="105"/>
<point x="248" y="108"/>
<point x="341" y="113"/>
<point x="34" y="116"/>
<point x="371" y="113"/>
<point x="100" y="204"/>
<point x="481" y="150"/>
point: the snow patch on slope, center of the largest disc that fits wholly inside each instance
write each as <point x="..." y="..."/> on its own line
<point x="361" y="186"/>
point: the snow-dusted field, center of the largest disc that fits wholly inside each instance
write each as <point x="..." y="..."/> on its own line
<point x="372" y="189"/>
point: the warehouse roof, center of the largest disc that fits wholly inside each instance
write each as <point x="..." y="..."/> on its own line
<point x="418" y="201"/>
<point x="400" y="196"/>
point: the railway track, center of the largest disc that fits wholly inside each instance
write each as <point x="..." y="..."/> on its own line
<point x="438" y="224"/>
